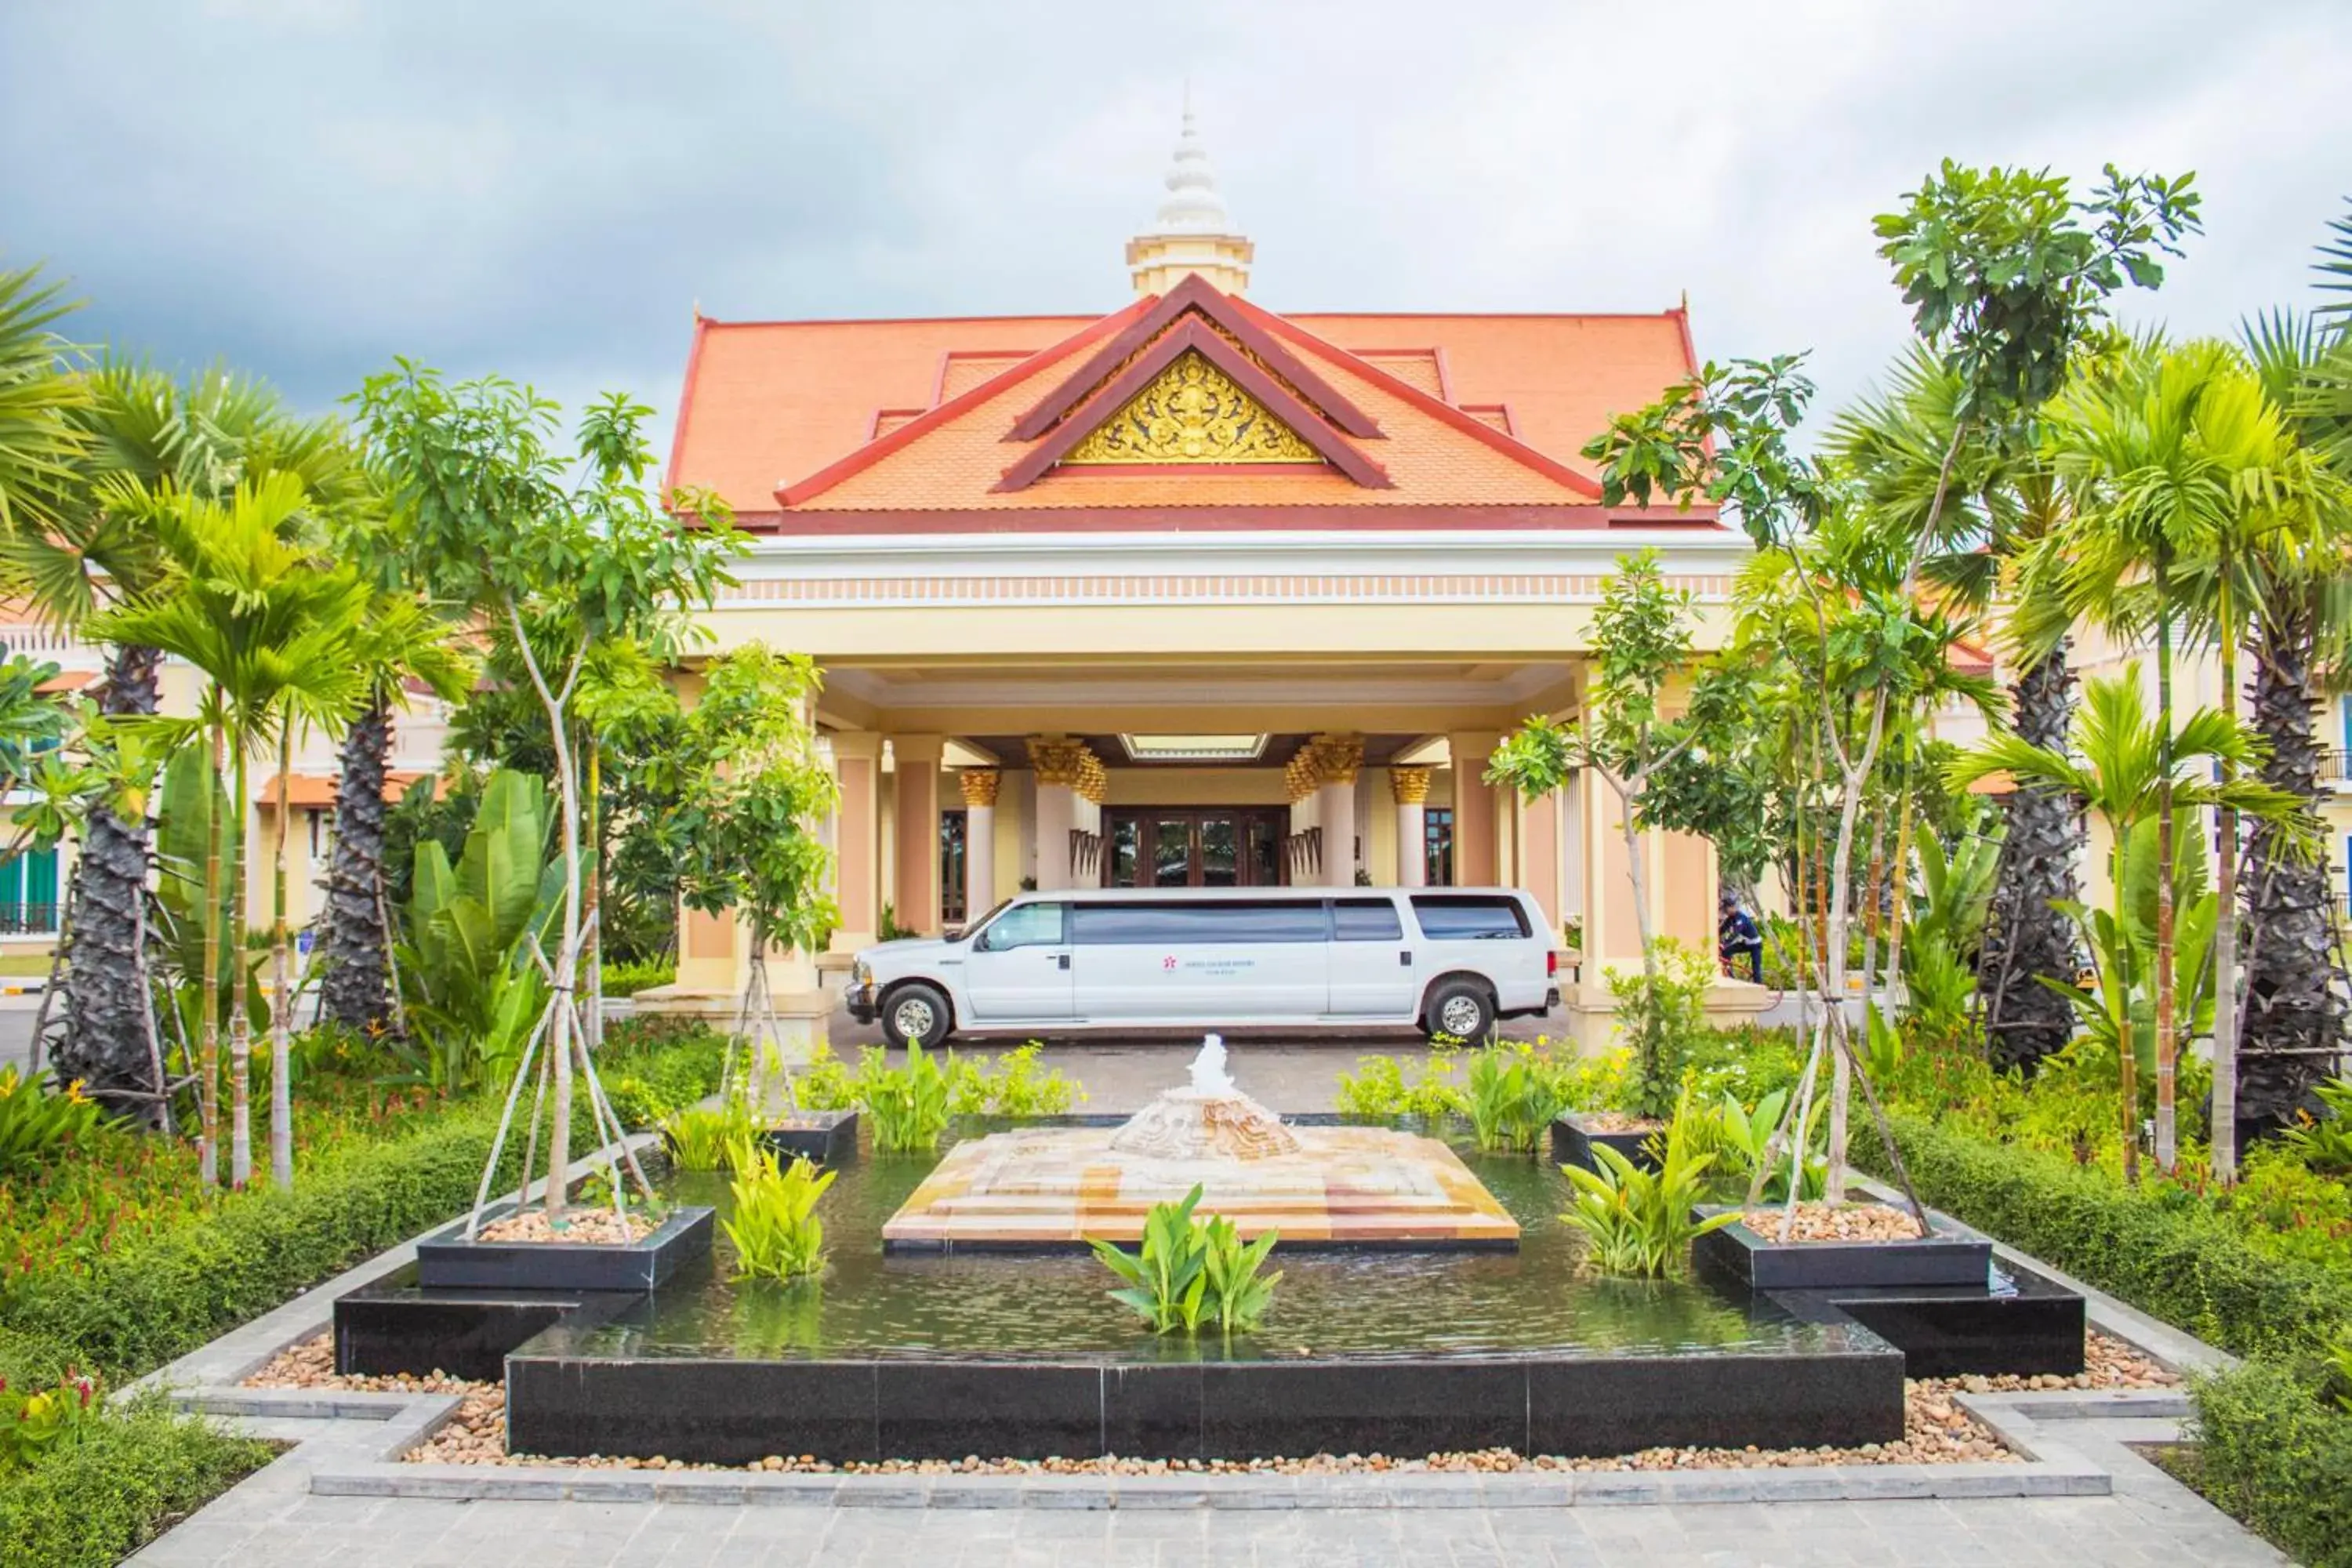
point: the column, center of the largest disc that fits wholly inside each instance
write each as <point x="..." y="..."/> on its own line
<point x="917" y="764"/>
<point x="1339" y="759"/>
<point x="1477" y="833"/>
<point x="980" y="786"/>
<point x="857" y="846"/>
<point x="1410" y="786"/>
<point x="1069" y="793"/>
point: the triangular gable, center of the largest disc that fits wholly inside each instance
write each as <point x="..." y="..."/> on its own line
<point x="1195" y="296"/>
<point x="1070" y="430"/>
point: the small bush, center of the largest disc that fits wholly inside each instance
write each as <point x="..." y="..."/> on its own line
<point x="2164" y="1249"/>
<point x="1012" y="1085"/>
<point x="703" y="1138"/>
<point x="39" y="1122"/>
<point x="1661" y="1017"/>
<point x="128" y="1477"/>
<point x="909" y="1105"/>
<point x="1513" y="1093"/>
<point x="1642" y="1223"/>
<point x="628" y="979"/>
<point x="776" y="1231"/>
<point x="2273" y="1452"/>
<point x="1379" y="1090"/>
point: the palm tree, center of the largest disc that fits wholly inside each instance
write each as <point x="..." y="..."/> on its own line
<point x="403" y="640"/>
<point x="1893" y="446"/>
<point x="2157" y="459"/>
<point x="273" y="629"/>
<point x="139" y="432"/>
<point x="2129" y="771"/>
<point x="39" y="444"/>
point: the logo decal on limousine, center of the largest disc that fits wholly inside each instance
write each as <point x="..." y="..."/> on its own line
<point x="1169" y="962"/>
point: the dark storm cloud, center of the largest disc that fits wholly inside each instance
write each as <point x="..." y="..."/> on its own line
<point x="306" y="187"/>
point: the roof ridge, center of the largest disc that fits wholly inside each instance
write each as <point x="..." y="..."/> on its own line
<point x="1446" y="413"/>
<point x="793" y="494"/>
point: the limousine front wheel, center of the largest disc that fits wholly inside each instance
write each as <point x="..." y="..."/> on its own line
<point x="1460" y="1008"/>
<point x="917" y="1012"/>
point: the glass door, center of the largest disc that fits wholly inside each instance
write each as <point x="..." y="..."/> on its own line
<point x="1180" y="847"/>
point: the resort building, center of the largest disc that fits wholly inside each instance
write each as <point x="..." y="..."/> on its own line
<point x="1196" y="593"/>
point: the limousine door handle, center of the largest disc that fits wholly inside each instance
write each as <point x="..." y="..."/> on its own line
<point x="1061" y="961"/>
<point x="1405" y="958"/>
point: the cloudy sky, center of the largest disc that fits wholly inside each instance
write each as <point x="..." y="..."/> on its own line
<point x="305" y="188"/>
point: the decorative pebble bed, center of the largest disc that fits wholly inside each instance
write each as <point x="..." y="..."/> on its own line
<point x="1839" y="1222"/>
<point x="583" y="1227"/>
<point x="1616" y="1121"/>
<point x="1935" y="1431"/>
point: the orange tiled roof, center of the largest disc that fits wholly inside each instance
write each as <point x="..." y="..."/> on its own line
<point x="315" y="792"/>
<point x="1475" y="410"/>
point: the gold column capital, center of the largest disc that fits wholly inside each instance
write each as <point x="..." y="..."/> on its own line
<point x="979" y="785"/>
<point x="1339" y="757"/>
<point x="1410" y="786"/>
<point x="1070" y="763"/>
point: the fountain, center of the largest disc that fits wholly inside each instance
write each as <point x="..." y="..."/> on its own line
<point x="1330" y="1187"/>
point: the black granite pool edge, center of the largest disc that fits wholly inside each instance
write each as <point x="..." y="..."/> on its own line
<point x="733" y="1411"/>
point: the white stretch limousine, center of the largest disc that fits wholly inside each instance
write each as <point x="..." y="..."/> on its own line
<point x="1450" y="961"/>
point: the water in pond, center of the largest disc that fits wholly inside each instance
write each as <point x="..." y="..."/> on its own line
<point x="1054" y="1306"/>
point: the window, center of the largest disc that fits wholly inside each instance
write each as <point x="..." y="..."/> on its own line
<point x="1024" y="925"/>
<point x="1437" y="845"/>
<point x="1470" y="918"/>
<point x="1366" y="919"/>
<point x="28" y="894"/>
<point x="952" y="867"/>
<point x="1174" y="924"/>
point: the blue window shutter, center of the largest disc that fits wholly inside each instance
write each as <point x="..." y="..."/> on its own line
<point x="12" y="884"/>
<point x="41" y="884"/>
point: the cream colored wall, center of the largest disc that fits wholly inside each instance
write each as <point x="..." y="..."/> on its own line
<point x="1195" y="786"/>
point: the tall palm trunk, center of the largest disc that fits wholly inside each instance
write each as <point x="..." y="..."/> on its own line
<point x="356" y="989"/>
<point x="2294" y="1011"/>
<point x="2223" y="1129"/>
<point x="282" y="986"/>
<point x="2025" y="934"/>
<point x="208" y="987"/>
<point x="2168" y="1151"/>
<point x="240" y="994"/>
<point x="106" y="1008"/>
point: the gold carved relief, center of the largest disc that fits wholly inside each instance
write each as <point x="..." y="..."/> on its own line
<point x="1192" y="413"/>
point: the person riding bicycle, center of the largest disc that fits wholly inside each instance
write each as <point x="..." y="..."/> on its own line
<point x="1735" y="934"/>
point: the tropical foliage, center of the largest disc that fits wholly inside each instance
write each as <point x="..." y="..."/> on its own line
<point x="1187" y="1270"/>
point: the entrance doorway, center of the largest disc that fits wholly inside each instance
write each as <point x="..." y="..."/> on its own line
<point x="1188" y="846"/>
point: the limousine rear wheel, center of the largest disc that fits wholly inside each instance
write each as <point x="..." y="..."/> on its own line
<point x="917" y="1010"/>
<point x="1462" y="1008"/>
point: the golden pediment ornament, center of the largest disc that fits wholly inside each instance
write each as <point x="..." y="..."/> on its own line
<point x="1192" y="413"/>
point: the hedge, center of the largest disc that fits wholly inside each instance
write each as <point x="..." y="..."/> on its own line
<point x="129" y="1478"/>
<point x="2156" y="1249"/>
<point x="2273" y="1454"/>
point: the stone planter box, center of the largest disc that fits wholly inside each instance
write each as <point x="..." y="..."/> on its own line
<point x="820" y="1137"/>
<point x="1573" y="1139"/>
<point x="397" y="1326"/>
<point x="449" y="1259"/>
<point x="1952" y="1255"/>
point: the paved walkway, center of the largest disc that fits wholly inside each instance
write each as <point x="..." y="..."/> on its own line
<point x="273" y="1522"/>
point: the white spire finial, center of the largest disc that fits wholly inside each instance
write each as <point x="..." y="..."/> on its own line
<point x="1192" y="232"/>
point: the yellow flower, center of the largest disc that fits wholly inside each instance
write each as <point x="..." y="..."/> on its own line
<point x="74" y="1093"/>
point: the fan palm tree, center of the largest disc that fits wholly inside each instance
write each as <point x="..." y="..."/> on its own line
<point x="274" y="631"/>
<point x="402" y="641"/>
<point x="2158" y="460"/>
<point x="2126" y="769"/>
<point x="39" y="444"/>
<point x="139" y="432"/>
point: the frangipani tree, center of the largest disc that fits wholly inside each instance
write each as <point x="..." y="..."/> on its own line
<point x="745" y="826"/>
<point x="568" y="551"/>
<point x="1641" y="640"/>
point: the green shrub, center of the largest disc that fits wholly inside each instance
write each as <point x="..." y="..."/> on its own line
<point x="1513" y="1093"/>
<point x="129" y="1477"/>
<point x="2163" y="1249"/>
<point x="1746" y="1061"/>
<point x="2272" y="1453"/>
<point x="703" y="1137"/>
<point x="909" y="1105"/>
<point x="1012" y="1085"/>
<point x="38" y="1121"/>
<point x="1378" y="1089"/>
<point x="1187" y="1269"/>
<point x="1640" y="1221"/>
<point x="628" y="979"/>
<point x="2325" y="1143"/>
<point x="1662" y="1017"/>
<point x="775" y="1229"/>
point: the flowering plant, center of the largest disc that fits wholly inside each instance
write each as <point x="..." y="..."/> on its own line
<point x="33" y="1422"/>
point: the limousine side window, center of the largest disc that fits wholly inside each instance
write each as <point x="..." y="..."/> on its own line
<point x="1366" y="919"/>
<point x="1172" y="924"/>
<point x="1468" y="918"/>
<point x="1030" y="925"/>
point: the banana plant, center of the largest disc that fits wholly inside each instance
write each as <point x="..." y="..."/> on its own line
<point x="2125" y="950"/>
<point x="184" y="813"/>
<point x="473" y="991"/>
<point x="1238" y="1291"/>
